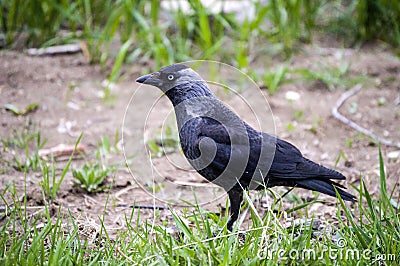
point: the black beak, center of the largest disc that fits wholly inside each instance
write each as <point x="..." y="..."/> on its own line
<point x="143" y="79"/>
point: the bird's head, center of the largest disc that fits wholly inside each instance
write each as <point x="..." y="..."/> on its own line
<point x="170" y="76"/>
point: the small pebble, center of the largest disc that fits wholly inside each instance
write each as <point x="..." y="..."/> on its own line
<point x="393" y="155"/>
<point x="292" y="96"/>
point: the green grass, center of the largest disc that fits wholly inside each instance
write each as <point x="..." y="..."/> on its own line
<point x="367" y="233"/>
<point x="24" y="145"/>
<point x="92" y="176"/>
<point x="134" y="25"/>
<point x="331" y="77"/>
<point x="50" y="184"/>
<point x="274" y="79"/>
<point x="379" y="20"/>
<point x="167" y="142"/>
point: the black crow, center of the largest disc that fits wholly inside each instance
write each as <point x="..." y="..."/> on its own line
<point x="227" y="151"/>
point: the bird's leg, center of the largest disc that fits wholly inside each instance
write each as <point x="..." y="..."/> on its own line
<point x="235" y="198"/>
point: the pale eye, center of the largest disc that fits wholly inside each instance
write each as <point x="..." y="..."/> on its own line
<point x="170" y="77"/>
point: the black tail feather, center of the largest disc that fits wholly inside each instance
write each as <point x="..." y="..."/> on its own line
<point x="326" y="187"/>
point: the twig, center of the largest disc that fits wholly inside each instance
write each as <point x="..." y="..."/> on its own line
<point x="194" y="184"/>
<point x="54" y="50"/>
<point x="36" y="213"/>
<point x="123" y="191"/>
<point x="126" y="257"/>
<point x="346" y="121"/>
<point x="62" y="150"/>
<point x="6" y="211"/>
<point x="147" y="207"/>
<point x="88" y="198"/>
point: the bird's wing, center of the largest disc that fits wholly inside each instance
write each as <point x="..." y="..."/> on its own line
<point x="251" y="152"/>
<point x="242" y="134"/>
<point x="290" y="163"/>
<point x="286" y="159"/>
<point x="241" y="147"/>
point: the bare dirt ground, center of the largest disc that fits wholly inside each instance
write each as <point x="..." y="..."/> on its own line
<point x="69" y="93"/>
